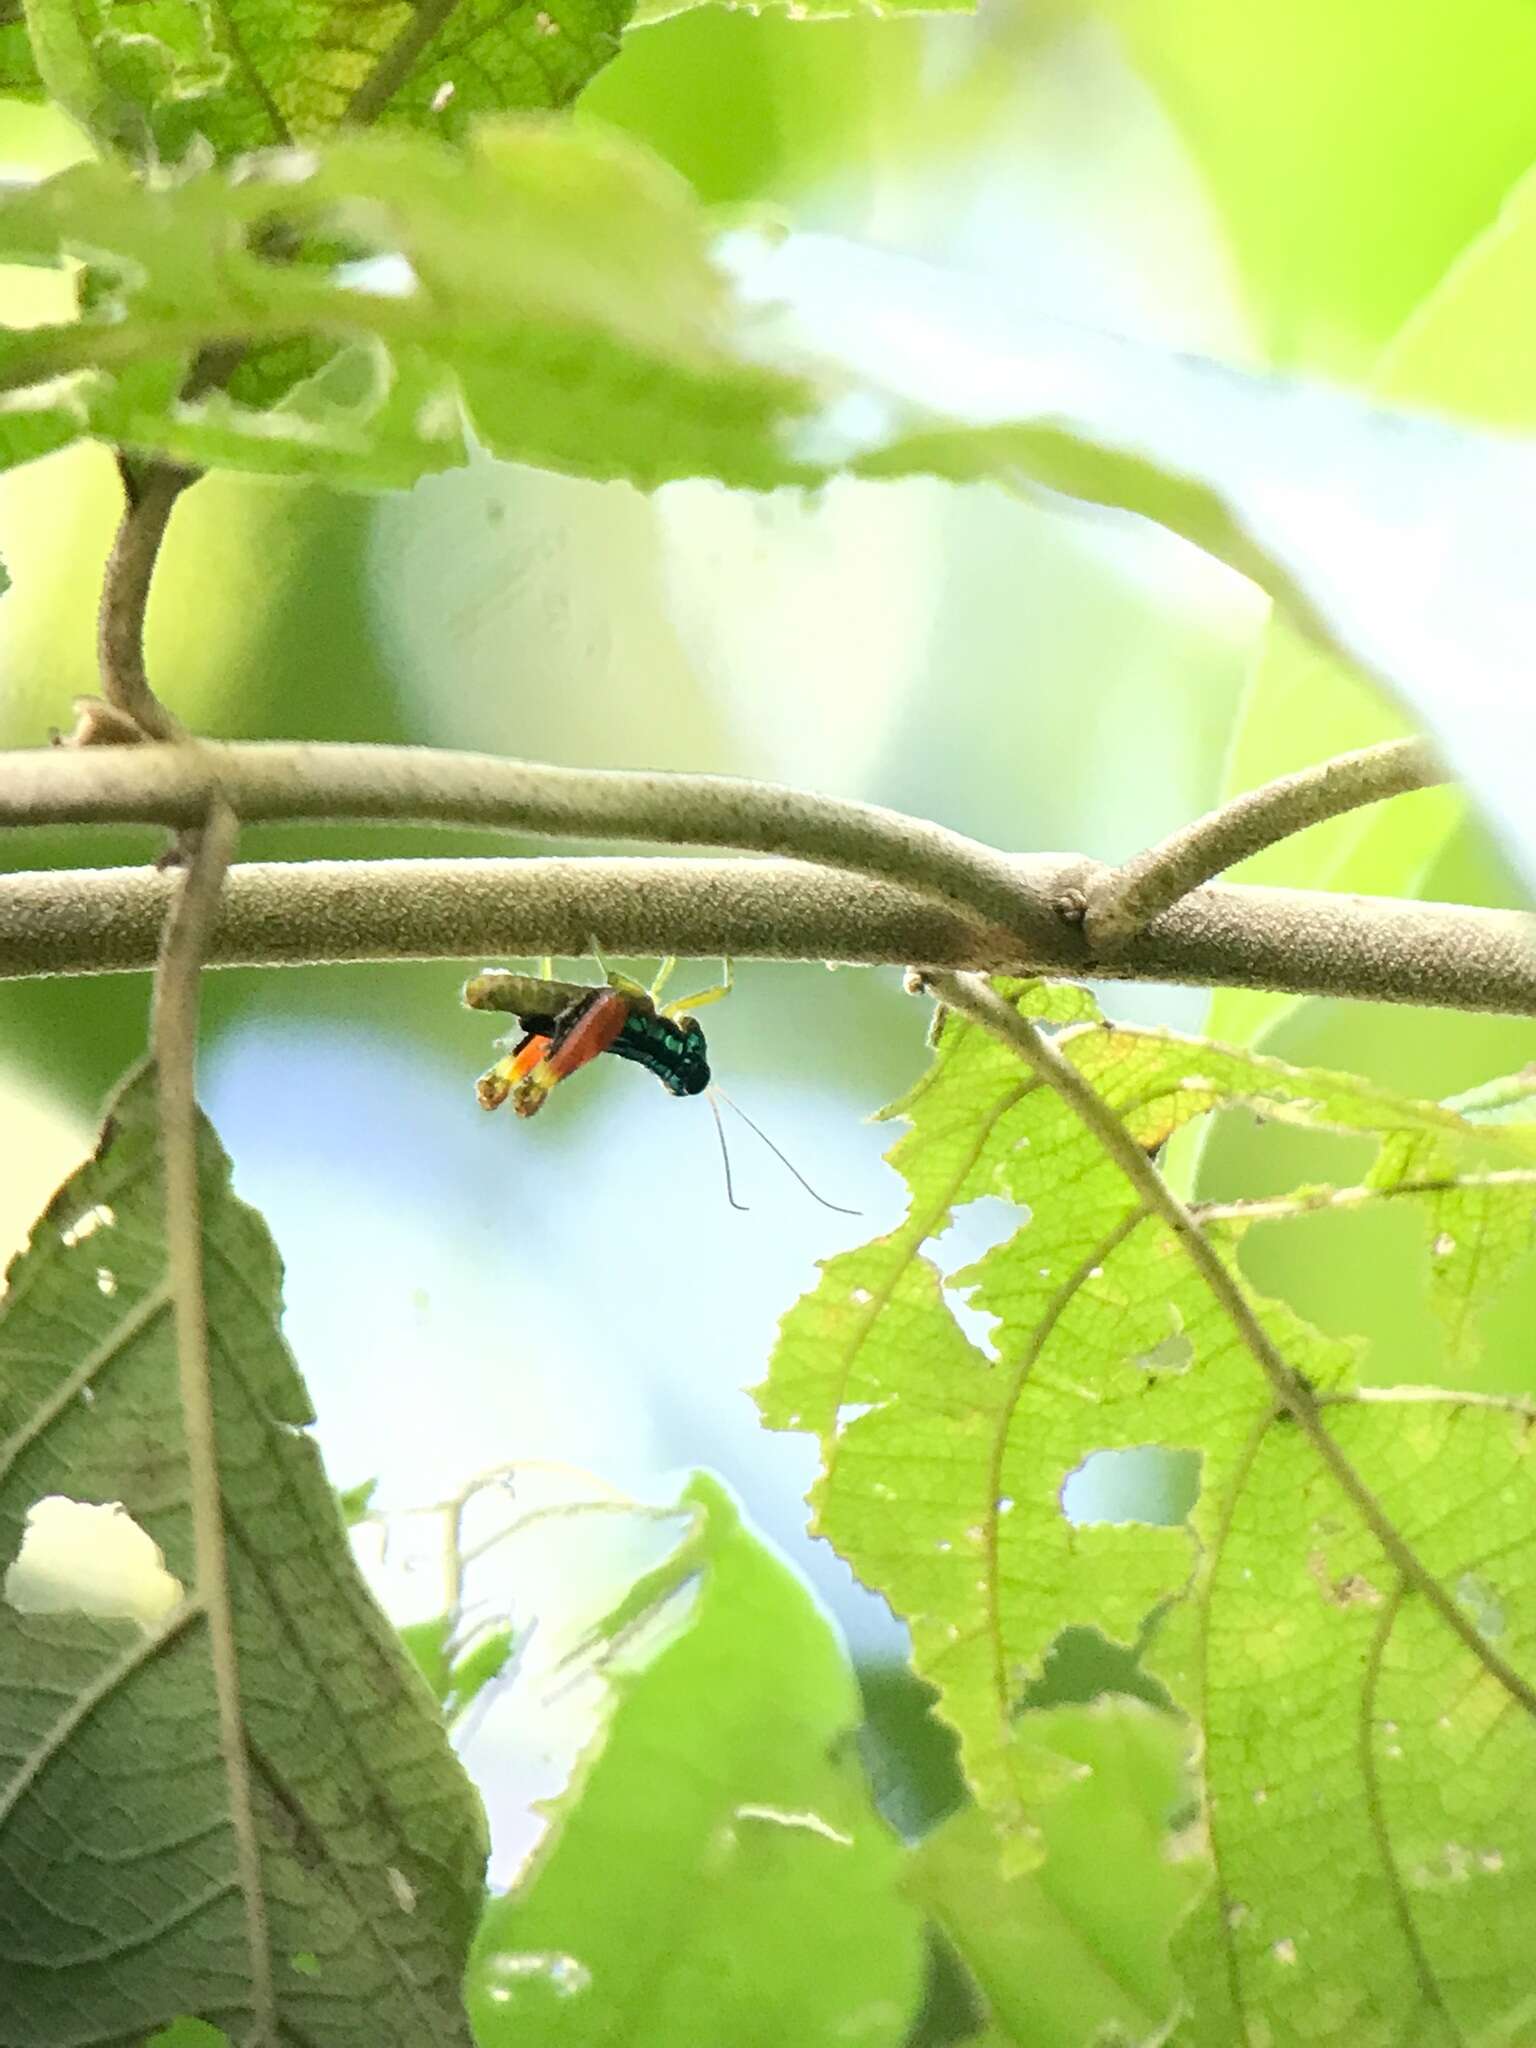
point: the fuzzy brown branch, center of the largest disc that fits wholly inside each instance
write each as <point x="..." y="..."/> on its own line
<point x="151" y="492"/>
<point x="1128" y="899"/>
<point x="294" y="913"/>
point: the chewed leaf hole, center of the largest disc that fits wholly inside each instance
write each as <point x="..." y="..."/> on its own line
<point x="83" y="1557"/>
<point x="1174" y="1354"/>
<point x="854" y="1411"/>
<point x="1481" y="1603"/>
<point x="508" y="1973"/>
<point x="100" y="1217"/>
<point x="1146" y="1483"/>
<point x="1082" y="1665"/>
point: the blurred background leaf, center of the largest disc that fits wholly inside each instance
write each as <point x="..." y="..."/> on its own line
<point x="1060" y="1956"/>
<point x="726" y="1827"/>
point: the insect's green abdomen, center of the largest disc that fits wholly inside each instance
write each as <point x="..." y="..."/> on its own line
<point x="672" y="1050"/>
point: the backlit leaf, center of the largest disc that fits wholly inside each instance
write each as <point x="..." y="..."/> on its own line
<point x="148" y="76"/>
<point x="1459" y="354"/>
<point x="1059" y="1954"/>
<point x="978" y="1482"/>
<point x="563" y="292"/>
<point x="559" y="293"/>
<point x="719" y="1874"/>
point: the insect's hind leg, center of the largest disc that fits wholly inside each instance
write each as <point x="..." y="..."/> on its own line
<point x="685" y="1005"/>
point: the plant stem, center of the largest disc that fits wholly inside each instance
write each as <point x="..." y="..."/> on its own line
<point x="174" y="1036"/>
<point x="424" y="785"/>
<point x="275" y="914"/>
<point x="303" y="913"/>
<point x="1292" y="1396"/>
<point x="1126" y="901"/>
<point x="151" y="492"/>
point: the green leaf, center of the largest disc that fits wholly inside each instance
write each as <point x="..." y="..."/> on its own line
<point x="561" y="290"/>
<point x="355" y="1502"/>
<point x="1078" y="1947"/>
<point x="976" y="1487"/>
<point x="720" y="1874"/>
<point x="649" y="11"/>
<point x="426" y="1644"/>
<point x="456" y="1672"/>
<point x="121" y="1830"/>
<point x="188" y="2034"/>
<point x="1390" y="536"/>
<point x="147" y="76"/>
<point x="1312" y="134"/>
<point x="1370" y="1786"/>
<point x="1477" y="1200"/>
<point x="1458" y="354"/>
<point x="49" y="416"/>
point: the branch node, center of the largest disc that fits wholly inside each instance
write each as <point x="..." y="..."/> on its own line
<point x="99" y="724"/>
<point x="1123" y="902"/>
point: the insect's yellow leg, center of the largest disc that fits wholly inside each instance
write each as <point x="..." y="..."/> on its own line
<point x="663" y="976"/>
<point x="495" y="1084"/>
<point x="547" y="967"/>
<point x="687" y="1004"/>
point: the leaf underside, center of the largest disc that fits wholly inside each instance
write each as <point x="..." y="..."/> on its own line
<point x="120" y="1902"/>
<point x="1369" y="1780"/>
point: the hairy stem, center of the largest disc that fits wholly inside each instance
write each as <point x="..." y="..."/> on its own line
<point x="1292" y="1395"/>
<point x="151" y="493"/>
<point x="99" y="921"/>
<point x="174" y="1038"/>
<point x="1125" y="901"/>
<point x="424" y="785"/>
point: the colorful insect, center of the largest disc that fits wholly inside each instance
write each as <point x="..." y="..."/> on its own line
<point x="565" y="1025"/>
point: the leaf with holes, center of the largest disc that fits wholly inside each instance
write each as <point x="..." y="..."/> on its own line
<point x="148" y="77"/>
<point x="1476" y="1192"/>
<point x="1371" y="1779"/>
<point x="982" y="1490"/>
<point x="649" y="11"/>
<point x="333" y="1898"/>
<point x="720" y="1875"/>
<point x="1060" y="1956"/>
<point x="551" y="285"/>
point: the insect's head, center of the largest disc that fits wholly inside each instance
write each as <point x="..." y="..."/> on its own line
<point x="690" y="1074"/>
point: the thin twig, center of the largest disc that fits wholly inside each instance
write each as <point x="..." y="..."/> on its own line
<point x="978" y="1002"/>
<point x="1317" y="1201"/>
<point x="1126" y="901"/>
<point x="103" y="921"/>
<point x="151" y="492"/>
<point x="174" y="1036"/>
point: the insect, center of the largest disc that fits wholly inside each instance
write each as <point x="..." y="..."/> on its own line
<point x="565" y="1025"/>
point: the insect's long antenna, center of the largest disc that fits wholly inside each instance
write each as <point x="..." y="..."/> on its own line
<point x="714" y="1110"/>
<point x="714" y="1090"/>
